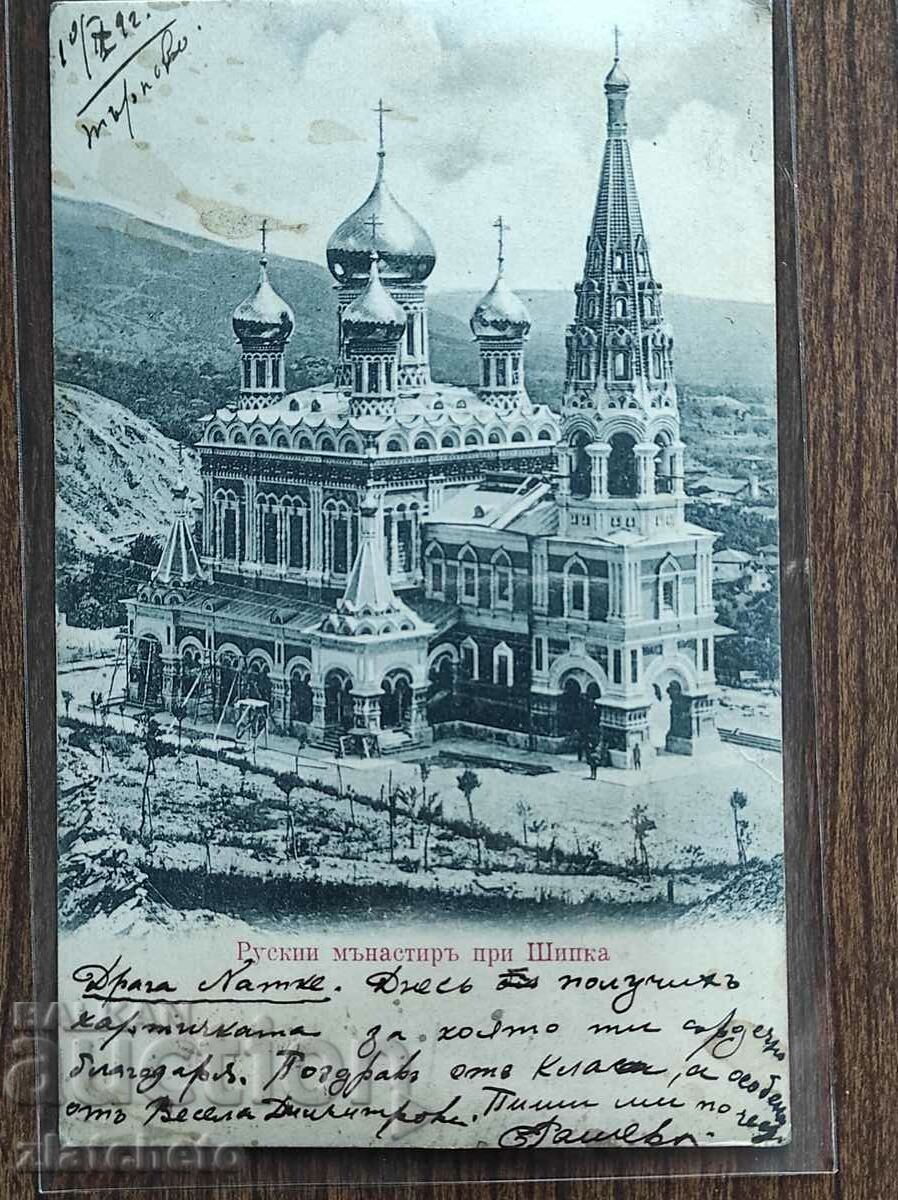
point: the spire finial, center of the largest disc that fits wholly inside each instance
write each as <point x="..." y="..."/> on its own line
<point x="380" y="110"/>
<point x="263" y="229"/>
<point x="501" y="226"/>
<point x="617" y="43"/>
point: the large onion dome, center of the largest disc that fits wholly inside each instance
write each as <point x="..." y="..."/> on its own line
<point x="374" y="314"/>
<point x="263" y="316"/>
<point x="500" y="314"/>
<point x="381" y="224"/>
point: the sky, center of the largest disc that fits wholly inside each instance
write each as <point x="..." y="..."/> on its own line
<point x="497" y="107"/>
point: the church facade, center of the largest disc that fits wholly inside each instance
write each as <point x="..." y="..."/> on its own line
<point x="397" y="558"/>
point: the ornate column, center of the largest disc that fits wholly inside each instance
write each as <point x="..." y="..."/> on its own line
<point x="170" y="665"/>
<point x="599" y="453"/>
<point x="278" y="713"/>
<point x="645" y="461"/>
<point x="316" y="729"/>
<point x="418" y="725"/>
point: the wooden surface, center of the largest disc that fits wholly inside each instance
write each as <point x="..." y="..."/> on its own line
<point x="846" y="57"/>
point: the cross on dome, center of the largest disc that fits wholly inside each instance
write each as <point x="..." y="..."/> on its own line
<point x="500" y="224"/>
<point x="380" y="110"/>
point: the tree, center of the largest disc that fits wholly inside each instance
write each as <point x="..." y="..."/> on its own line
<point x="642" y="824"/>
<point x="429" y="812"/>
<point x="67" y="698"/>
<point x="286" y="781"/>
<point x="468" y="783"/>
<point x="179" y="712"/>
<point x="738" y="801"/>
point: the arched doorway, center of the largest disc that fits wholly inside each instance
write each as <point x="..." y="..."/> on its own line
<point x="581" y="466"/>
<point x="300" y="696"/>
<point x="146" y="673"/>
<point x="578" y="708"/>
<point x="191" y="668"/>
<point x="623" y="475"/>
<point x="258" y="681"/>
<point x="396" y="701"/>
<point x="338" y="700"/>
<point x="228" y="689"/>
<point x="669" y="714"/>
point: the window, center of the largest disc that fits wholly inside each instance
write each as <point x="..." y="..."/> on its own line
<point x="576" y="591"/>
<point x="297" y="539"/>
<point x="485" y="372"/>
<point x="668" y="588"/>
<point x="473" y="439"/>
<point x="260" y="372"/>
<point x="657" y="364"/>
<point x="620" y="307"/>
<point x="275" y="372"/>
<point x="470" y="658"/>
<point x="667" y="595"/>
<point x="494" y="439"/>
<point x="518" y="436"/>
<point x="502" y="581"/>
<point x="269" y="538"/>
<point x="516" y="369"/>
<point x="327" y="445"/>
<point x="436" y="571"/>
<point x="393" y="446"/>
<point x="539" y="653"/>
<point x="448" y="441"/>
<point x="388" y="376"/>
<point x="467" y="577"/>
<point x="423" y="443"/>
<point x="358" y="378"/>
<point x="621" y="364"/>
<point x="229" y="534"/>
<point x="634" y="666"/>
<point x="373" y="380"/>
<point x="410" y="335"/>
<point x="617" y="666"/>
<point x="618" y="262"/>
<point x="247" y="373"/>
<point x="501" y="371"/>
<point x="706" y="654"/>
<point x="503" y="666"/>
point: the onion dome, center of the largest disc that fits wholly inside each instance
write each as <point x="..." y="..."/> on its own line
<point x="374" y="314"/>
<point x="406" y="252"/>
<point x="617" y="80"/>
<point x="500" y="314"/>
<point x="264" y="316"/>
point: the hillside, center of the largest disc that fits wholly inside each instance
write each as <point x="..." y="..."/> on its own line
<point x="142" y="313"/>
<point x="114" y="472"/>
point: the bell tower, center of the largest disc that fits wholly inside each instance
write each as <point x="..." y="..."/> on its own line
<point x="621" y="426"/>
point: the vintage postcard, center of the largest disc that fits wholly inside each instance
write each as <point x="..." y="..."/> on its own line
<point x="419" y="731"/>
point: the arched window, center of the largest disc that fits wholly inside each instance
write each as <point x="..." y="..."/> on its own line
<point x="544" y="435"/>
<point x="576" y="589"/>
<point x="422" y="442"/>
<point x="669" y="589"/>
<point x="436" y="571"/>
<point x="621" y="365"/>
<point x="467" y="577"/>
<point x="340" y="538"/>
<point x="473" y="439"/>
<point x="275" y="372"/>
<point x="259" y="439"/>
<point x="394" y="446"/>
<point x="449" y="441"/>
<point x="297" y="536"/>
<point x="485" y="372"/>
<point x="326" y="444"/>
<point x="503" y="666"/>
<point x="502" y="582"/>
<point x="373" y="377"/>
<point x="410" y="335"/>
<point x="260" y="372"/>
<point x="358" y="379"/>
<point x="247" y="373"/>
<point x="501" y="371"/>
<point x="300" y="695"/>
<point x="268" y="530"/>
<point x="494" y="439"/>
<point x="623" y="476"/>
<point x="618" y="261"/>
<point x="581" y="466"/>
<point x="620" y="307"/>
<point x="657" y="364"/>
<point x="519" y="436"/>
<point x="469" y="658"/>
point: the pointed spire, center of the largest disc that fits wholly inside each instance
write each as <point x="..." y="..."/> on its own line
<point x="179" y="563"/>
<point x="369" y="605"/>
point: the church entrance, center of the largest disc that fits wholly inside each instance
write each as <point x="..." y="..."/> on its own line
<point x="396" y="702"/>
<point x="578" y="710"/>
<point x="300" y="696"/>
<point x="669" y="713"/>
<point x="338" y="701"/>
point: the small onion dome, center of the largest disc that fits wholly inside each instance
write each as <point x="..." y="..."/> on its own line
<point x="500" y="314"/>
<point x="406" y="252"/>
<point x="617" y="80"/>
<point x="374" y="314"/>
<point x="263" y="316"/>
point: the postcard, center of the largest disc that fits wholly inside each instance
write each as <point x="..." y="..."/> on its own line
<point x="417" y="575"/>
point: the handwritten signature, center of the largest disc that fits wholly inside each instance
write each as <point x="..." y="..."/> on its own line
<point x="121" y="82"/>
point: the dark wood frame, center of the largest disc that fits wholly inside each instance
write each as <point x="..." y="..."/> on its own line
<point x="844" y="121"/>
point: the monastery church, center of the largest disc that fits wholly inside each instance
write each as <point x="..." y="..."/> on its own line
<point x="392" y="559"/>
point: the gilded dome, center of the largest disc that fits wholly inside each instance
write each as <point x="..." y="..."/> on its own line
<point x="374" y="313"/>
<point x="500" y="314"/>
<point x="263" y="316"/>
<point x="617" y="78"/>
<point x="381" y="224"/>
